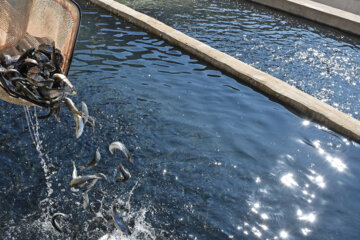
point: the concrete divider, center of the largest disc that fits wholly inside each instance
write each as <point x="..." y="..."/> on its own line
<point x="346" y="5"/>
<point x="301" y="102"/>
<point x="318" y="12"/>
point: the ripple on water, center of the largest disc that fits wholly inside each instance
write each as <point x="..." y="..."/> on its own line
<point x="213" y="159"/>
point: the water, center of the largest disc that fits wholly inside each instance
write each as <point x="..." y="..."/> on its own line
<point x="317" y="59"/>
<point x="213" y="159"/>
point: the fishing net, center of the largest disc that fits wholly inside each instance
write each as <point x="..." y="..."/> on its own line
<point x="25" y="24"/>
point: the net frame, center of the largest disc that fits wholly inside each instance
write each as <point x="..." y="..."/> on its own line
<point x="21" y="30"/>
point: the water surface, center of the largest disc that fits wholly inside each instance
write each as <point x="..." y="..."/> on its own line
<point x="213" y="159"/>
<point x="317" y="59"/>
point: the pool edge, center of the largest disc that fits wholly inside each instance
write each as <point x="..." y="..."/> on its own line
<point x="300" y="101"/>
<point x="318" y="12"/>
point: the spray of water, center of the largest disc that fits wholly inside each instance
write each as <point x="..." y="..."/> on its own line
<point x="142" y="229"/>
<point x="34" y="127"/>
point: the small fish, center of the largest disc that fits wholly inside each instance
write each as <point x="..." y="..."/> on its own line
<point x="94" y="161"/>
<point x="120" y="146"/>
<point x="2" y="69"/>
<point x="79" y="125"/>
<point x="103" y="176"/>
<point x="62" y="78"/>
<point x="92" y="184"/>
<point x="84" y="112"/>
<point x="125" y="174"/>
<point x="81" y="180"/>
<point x="71" y="105"/>
<point x="47" y="92"/>
<point x="119" y="223"/>
<point x="5" y="60"/>
<point x="86" y="117"/>
<point x="86" y="196"/>
<point x="74" y="173"/>
<point x="105" y="237"/>
<point x="54" y="223"/>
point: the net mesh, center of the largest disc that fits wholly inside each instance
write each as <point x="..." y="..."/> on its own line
<point x="28" y="23"/>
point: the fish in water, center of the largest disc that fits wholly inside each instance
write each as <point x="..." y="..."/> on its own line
<point x="71" y="105"/>
<point x="86" y="117"/>
<point x="125" y="174"/>
<point x="119" y="223"/>
<point x="84" y="112"/>
<point x="79" y="126"/>
<point x="120" y="146"/>
<point x="81" y="118"/>
<point x="79" y="122"/>
<point x="81" y="180"/>
<point x="94" y="161"/>
<point x="54" y="223"/>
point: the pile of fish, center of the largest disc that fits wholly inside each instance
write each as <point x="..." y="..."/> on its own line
<point x="36" y="76"/>
<point x="90" y="180"/>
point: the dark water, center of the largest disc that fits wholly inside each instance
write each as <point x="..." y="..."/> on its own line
<point x="213" y="159"/>
<point x="317" y="59"/>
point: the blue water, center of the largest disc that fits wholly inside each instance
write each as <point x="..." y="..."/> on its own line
<point x="213" y="159"/>
<point x="317" y="59"/>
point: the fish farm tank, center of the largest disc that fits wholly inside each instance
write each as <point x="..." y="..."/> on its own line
<point x="211" y="157"/>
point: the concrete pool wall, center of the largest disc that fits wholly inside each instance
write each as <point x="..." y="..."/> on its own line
<point x="334" y="13"/>
<point x="286" y="94"/>
<point x="346" y="5"/>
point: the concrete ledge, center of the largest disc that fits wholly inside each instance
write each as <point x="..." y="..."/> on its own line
<point x="303" y="103"/>
<point x="318" y="12"/>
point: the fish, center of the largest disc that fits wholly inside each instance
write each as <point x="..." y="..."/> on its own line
<point x="5" y="60"/>
<point x="120" y="146"/>
<point x="2" y="69"/>
<point x="74" y="173"/>
<point x="105" y="237"/>
<point x="54" y="223"/>
<point x="81" y="180"/>
<point x="92" y="184"/>
<point x="11" y="73"/>
<point x="94" y="161"/>
<point x="79" y="126"/>
<point x="71" y="105"/>
<point x="84" y="112"/>
<point x="49" y="93"/>
<point x="125" y="174"/>
<point x="119" y="223"/>
<point x="86" y="117"/>
<point x="86" y="195"/>
<point x="62" y="78"/>
<point x="79" y="122"/>
<point x="103" y="176"/>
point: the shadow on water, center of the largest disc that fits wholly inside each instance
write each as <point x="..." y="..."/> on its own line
<point x="213" y="159"/>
